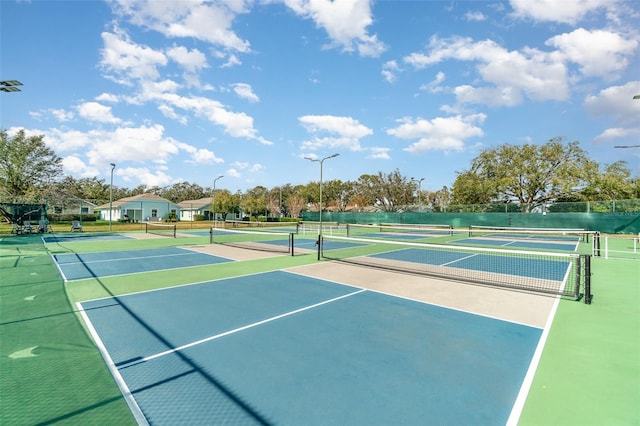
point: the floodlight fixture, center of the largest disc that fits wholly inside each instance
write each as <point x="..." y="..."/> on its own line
<point x="10" y="86"/>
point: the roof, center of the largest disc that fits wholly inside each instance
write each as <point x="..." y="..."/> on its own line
<point x="138" y="198"/>
<point x="195" y="204"/>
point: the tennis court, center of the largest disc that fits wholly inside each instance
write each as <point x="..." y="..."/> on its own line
<point x="77" y="238"/>
<point x="109" y="263"/>
<point x="265" y="338"/>
<point x="285" y="348"/>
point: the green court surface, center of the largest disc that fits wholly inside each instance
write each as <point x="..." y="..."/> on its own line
<point x="52" y="372"/>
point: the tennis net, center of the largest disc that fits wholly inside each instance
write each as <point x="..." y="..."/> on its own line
<point x="162" y="229"/>
<point x="398" y="231"/>
<point x="280" y="242"/>
<point x="563" y="274"/>
<point x="263" y="226"/>
<point x="542" y="234"/>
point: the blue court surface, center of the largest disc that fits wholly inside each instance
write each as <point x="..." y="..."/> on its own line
<point x="392" y="236"/>
<point x="102" y="264"/>
<point x="534" y="244"/>
<point x="553" y="270"/>
<point x="77" y="238"/>
<point x="283" y="348"/>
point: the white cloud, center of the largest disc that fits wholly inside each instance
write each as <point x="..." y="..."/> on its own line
<point x="232" y="173"/>
<point x="345" y="132"/>
<point x="236" y="124"/>
<point x="107" y="97"/>
<point x="389" y="70"/>
<point x="93" y="111"/>
<point x="204" y="156"/>
<point x="513" y="74"/>
<point x="127" y="60"/>
<point x="379" y="153"/>
<point x="145" y="176"/>
<point x="70" y="140"/>
<point x="616" y="103"/>
<point x="434" y="85"/>
<point x="232" y="61"/>
<point x="598" y="52"/>
<point x="565" y="11"/>
<point x="440" y="133"/>
<point x="191" y="60"/>
<point x="244" y="91"/>
<point x="169" y="112"/>
<point x="207" y="21"/>
<point x="345" y="22"/>
<point x="76" y="167"/>
<point x="240" y="167"/>
<point x="475" y="16"/>
<point x="62" y="115"/>
<point x="616" y="133"/>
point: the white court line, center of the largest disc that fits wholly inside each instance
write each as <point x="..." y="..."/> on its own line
<point x="521" y="399"/>
<point x="226" y="333"/>
<point x="122" y="385"/>
<point x="128" y="258"/>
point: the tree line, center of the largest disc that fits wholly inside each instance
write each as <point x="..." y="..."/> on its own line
<point x="527" y="174"/>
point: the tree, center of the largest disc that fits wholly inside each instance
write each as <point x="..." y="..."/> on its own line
<point x="612" y="183"/>
<point x="254" y="201"/>
<point x="295" y="204"/>
<point x="27" y="165"/>
<point x="529" y="174"/>
<point x="223" y="202"/>
<point x="439" y="200"/>
<point x="389" y="192"/>
<point x="183" y="191"/>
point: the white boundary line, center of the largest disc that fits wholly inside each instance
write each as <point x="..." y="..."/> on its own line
<point x="236" y="330"/>
<point x="518" y="406"/>
<point x="122" y="385"/>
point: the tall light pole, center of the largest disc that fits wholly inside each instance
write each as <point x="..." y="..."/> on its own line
<point x="113" y="166"/>
<point x="321" y="162"/>
<point x="419" y="191"/>
<point x="213" y="199"/>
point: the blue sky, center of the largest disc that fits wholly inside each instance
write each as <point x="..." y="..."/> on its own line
<point x="182" y="90"/>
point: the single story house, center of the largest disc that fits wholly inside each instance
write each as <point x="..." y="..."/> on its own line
<point x="140" y="208"/>
<point x="190" y="208"/>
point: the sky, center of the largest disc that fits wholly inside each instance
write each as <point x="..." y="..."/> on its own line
<point x="189" y="90"/>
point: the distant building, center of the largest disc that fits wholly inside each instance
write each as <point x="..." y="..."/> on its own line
<point x="140" y="208"/>
<point x="191" y="208"/>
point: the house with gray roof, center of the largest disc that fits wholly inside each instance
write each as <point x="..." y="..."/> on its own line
<point x="140" y="208"/>
<point x="191" y="208"/>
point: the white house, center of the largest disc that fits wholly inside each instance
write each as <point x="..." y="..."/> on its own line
<point x="140" y="208"/>
<point x="190" y="208"/>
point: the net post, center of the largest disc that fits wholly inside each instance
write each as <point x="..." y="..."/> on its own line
<point x="319" y="244"/>
<point x="587" y="280"/>
<point x="470" y="232"/>
<point x="210" y="235"/>
<point x="175" y="229"/>
<point x="291" y="245"/>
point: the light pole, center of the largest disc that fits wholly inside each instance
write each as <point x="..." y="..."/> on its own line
<point x="419" y="191"/>
<point x="113" y="166"/>
<point x="321" y="162"/>
<point x="213" y="199"/>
